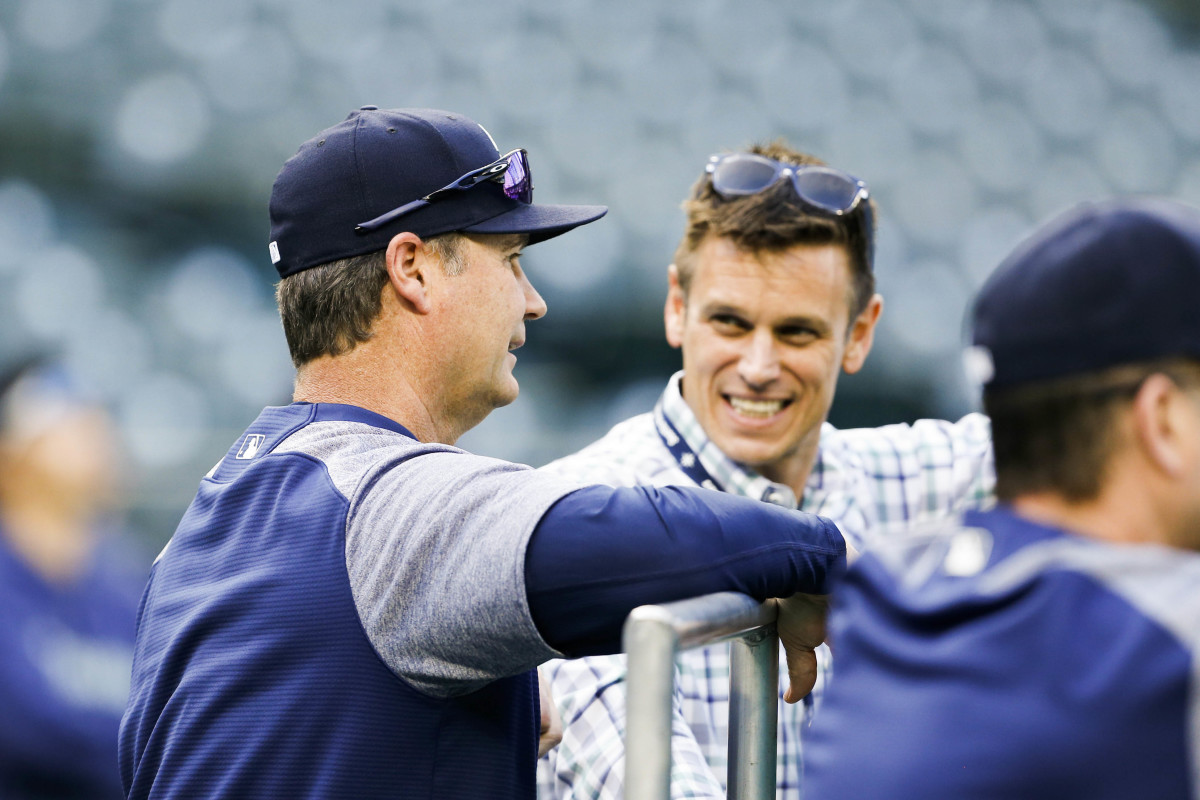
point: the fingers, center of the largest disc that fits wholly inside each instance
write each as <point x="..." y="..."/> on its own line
<point x="552" y="728"/>
<point x="802" y="674"/>
<point x="801" y="620"/>
<point x="801" y="623"/>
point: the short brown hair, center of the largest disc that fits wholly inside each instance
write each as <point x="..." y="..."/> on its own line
<point x="329" y="309"/>
<point x="1059" y="436"/>
<point x="774" y="220"/>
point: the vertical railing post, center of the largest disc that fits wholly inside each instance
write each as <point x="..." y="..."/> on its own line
<point x="653" y="636"/>
<point x="651" y="641"/>
<point x="753" y="715"/>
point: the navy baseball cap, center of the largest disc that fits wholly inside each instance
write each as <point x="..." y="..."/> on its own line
<point x="378" y="160"/>
<point x="1104" y="284"/>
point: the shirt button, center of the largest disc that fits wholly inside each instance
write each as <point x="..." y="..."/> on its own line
<point x="369" y="108"/>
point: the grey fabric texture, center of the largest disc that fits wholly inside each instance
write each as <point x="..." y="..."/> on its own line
<point x="1162" y="583"/>
<point x="435" y="552"/>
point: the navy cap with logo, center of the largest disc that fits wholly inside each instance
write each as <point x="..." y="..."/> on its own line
<point x="1104" y="284"/>
<point x="376" y="161"/>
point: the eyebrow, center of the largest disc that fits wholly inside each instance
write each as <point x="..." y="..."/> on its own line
<point x="514" y="241"/>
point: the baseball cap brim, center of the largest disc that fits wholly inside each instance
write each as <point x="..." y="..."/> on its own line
<point x="541" y="222"/>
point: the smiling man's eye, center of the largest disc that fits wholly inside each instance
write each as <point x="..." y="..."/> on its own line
<point x="797" y="332"/>
<point x="729" y="322"/>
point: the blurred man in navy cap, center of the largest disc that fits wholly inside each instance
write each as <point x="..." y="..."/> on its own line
<point x="1047" y="648"/>
<point x="70" y="579"/>
<point x="353" y="607"/>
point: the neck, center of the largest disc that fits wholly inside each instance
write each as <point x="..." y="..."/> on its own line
<point x="398" y="372"/>
<point x="354" y="379"/>
<point x="384" y="374"/>
<point x="794" y="470"/>
<point x="1124" y="512"/>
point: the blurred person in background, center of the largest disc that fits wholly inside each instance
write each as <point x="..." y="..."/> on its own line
<point x="1048" y="647"/>
<point x="770" y="297"/>
<point x="354" y="607"/>
<point x="69" y="588"/>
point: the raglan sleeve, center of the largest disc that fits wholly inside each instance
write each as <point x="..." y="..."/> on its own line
<point x="435" y="553"/>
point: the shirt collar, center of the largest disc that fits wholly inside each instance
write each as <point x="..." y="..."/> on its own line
<point x="729" y="475"/>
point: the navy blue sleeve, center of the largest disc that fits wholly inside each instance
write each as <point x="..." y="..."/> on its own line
<point x="600" y="552"/>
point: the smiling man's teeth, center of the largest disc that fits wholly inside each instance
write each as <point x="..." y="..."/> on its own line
<point x="756" y="408"/>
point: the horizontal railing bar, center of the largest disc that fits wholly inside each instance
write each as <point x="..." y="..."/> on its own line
<point x="708" y="619"/>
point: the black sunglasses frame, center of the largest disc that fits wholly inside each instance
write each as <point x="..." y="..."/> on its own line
<point x="497" y="172"/>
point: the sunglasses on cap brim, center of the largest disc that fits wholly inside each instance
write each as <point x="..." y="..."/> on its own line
<point x="824" y="188"/>
<point x="511" y="171"/>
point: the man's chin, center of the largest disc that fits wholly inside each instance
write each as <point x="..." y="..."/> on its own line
<point x="753" y="453"/>
<point x="506" y="394"/>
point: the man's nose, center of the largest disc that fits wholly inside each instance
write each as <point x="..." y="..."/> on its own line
<point x="535" y="306"/>
<point x="759" y="364"/>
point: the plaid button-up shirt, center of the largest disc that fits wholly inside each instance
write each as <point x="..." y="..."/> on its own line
<point x="873" y="482"/>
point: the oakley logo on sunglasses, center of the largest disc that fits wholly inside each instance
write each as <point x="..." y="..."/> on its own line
<point x="511" y="170"/>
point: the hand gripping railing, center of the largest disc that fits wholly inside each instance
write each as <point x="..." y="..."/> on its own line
<point x="652" y="637"/>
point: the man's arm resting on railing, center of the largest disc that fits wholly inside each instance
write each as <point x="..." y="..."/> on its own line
<point x="600" y="552"/>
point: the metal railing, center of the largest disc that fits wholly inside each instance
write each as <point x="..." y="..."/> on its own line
<point x="652" y="637"/>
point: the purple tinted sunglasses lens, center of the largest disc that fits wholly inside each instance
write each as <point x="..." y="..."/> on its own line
<point x="517" y="184"/>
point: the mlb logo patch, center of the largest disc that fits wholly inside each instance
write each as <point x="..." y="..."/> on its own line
<point x="249" y="448"/>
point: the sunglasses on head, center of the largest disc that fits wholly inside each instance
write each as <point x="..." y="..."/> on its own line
<point x="511" y="170"/>
<point x="824" y="188"/>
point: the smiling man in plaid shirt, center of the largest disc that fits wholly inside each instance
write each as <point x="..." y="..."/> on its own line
<point x="771" y="295"/>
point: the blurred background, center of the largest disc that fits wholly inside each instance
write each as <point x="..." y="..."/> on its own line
<point x="139" y="140"/>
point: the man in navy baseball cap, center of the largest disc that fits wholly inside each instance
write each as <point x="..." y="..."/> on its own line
<point x="354" y="607"/>
<point x="1048" y="647"/>
<point x="351" y="187"/>
<point x="1106" y="284"/>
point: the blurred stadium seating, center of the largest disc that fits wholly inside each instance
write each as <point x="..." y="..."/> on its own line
<point x="139" y="140"/>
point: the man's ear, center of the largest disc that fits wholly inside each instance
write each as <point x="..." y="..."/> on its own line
<point x="675" y="309"/>
<point x="408" y="266"/>
<point x="861" y="336"/>
<point x="1161" y="424"/>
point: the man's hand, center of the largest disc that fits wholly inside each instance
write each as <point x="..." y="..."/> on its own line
<point x="552" y="729"/>
<point x="801" y="628"/>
